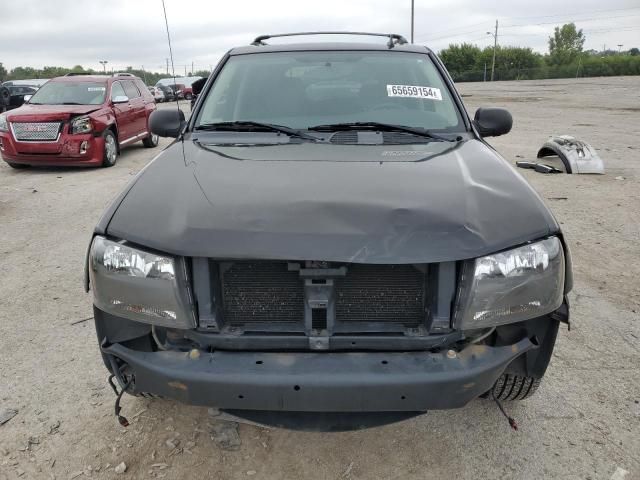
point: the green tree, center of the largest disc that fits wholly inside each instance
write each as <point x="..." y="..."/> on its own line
<point x="566" y="44"/>
<point x="20" y="73"/>
<point x="634" y="52"/>
<point x="512" y="63"/>
<point x="461" y="61"/>
<point x="3" y="73"/>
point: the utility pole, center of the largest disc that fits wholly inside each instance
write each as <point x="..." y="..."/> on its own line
<point x="167" y="66"/>
<point x="495" y="46"/>
<point x="191" y="67"/>
<point x="412" y="18"/>
<point x="104" y="65"/>
<point x="619" y="47"/>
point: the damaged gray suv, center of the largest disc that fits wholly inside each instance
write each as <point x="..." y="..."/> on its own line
<point x="328" y="243"/>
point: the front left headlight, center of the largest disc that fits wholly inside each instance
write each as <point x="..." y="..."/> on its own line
<point x="139" y="285"/>
<point x="4" y="124"/>
<point x="511" y="286"/>
<point x="81" y="125"/>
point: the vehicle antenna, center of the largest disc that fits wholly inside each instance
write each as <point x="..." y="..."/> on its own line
<point x="173" y="70"/>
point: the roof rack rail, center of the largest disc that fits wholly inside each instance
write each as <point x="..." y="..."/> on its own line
<point x="394" y="38"/>
<point x="79" y="74"/>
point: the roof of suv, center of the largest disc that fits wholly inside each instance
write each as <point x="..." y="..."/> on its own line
<point x="95" y="77"/>
<point x="75" y="78"/>
<point x="328" y="46"/>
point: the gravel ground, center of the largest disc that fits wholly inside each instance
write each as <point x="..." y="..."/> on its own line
<point x="583" y="423"/>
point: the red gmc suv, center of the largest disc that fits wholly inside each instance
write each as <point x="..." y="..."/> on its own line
<point x="79" y="120"/>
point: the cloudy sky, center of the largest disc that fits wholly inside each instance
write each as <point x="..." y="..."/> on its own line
<point x="126" y="32"/>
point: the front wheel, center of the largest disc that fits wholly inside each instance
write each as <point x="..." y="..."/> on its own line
<point x="110" y="154"/>
<point x="513" y="387"/>
<point x="150" y="141"/>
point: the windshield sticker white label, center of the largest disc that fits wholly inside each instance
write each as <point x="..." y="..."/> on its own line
<point x="96" y="89"/>
<point x="413" y="91"/>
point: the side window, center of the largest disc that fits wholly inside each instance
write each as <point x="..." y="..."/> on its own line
<point x="117" y="91"/>
<point x="144" y="90"/>
<point x="131" y="89"/>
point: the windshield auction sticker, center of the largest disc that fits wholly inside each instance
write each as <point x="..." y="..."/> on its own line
<point x="413" y="91"/>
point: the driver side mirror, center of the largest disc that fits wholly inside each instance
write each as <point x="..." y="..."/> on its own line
<point x="493" y="121"/>
<point x="167" y="122"/>
<point x="26" y="98"/>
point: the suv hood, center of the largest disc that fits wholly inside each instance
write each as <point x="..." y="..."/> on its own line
<point x="439" y="202"/>
<point x="43" y="113"/>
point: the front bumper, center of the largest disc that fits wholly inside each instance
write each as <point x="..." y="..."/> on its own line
<point x="64" y="152"/>
<point x="318" y="382"/>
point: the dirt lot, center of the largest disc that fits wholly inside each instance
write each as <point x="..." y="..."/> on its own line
<point x="584" y="422"/>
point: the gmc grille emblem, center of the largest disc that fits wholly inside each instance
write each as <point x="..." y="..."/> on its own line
<point x="35" y="128"/>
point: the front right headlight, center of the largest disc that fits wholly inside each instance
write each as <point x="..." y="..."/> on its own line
<point x="4" y="124"/>
<point x="511" y="286"/>
<point x="139" y="285"/>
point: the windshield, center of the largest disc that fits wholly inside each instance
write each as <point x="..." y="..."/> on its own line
<point x="304" y="89"/>
<point x="70" y="93"/>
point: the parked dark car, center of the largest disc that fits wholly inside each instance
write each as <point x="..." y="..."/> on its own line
<point x="13" y="96"/>
<point x="169" y="94"/>
<point x="329" y="237"/>
<point x="78" y="120"/>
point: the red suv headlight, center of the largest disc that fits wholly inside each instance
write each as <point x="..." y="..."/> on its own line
<point x="81" y="125"/>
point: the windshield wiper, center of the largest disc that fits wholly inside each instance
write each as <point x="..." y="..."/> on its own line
<point x="384" y="127"/>
<point x="249" y="126"/>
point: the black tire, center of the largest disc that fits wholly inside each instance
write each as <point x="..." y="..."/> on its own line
<point x="110" y="152"/>
<point x="150" y="141"/>
<point x="513" y="387"/>
<point x="19" y="166"/>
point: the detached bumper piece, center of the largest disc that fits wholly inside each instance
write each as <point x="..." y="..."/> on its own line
<point x="319" y="382"/>
<point x="577" y="156"/>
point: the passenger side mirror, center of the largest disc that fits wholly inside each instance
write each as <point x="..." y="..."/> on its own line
<point x="120" y="99"/>
<point x="167" y="122"/>
<point x="27" y="98"/>
<point x="492" y="121"/>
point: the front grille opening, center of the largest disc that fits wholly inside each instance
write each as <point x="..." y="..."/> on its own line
<point x="319" y="318"/>
<point x="381" y="293"/>
<point x="261" y="292"/>
<point x="269" y="296"/>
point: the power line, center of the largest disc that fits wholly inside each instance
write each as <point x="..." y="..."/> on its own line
<point x="460" y="34"/>
<point x="574" y="13"/>
<point x="555" y="15"/>
<point x="575" y="20"/>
